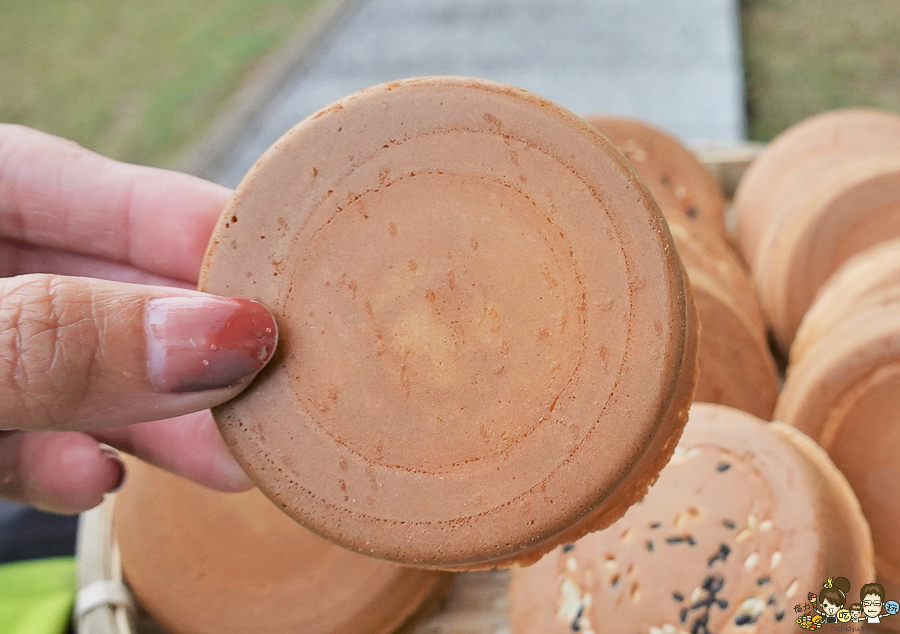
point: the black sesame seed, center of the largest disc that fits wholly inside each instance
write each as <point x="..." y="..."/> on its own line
<point x="763" y="581"/>
<point x="568" y="547"/>
<point x="743" y="619"/>
<point x="701" y="624"/>
<point x="771" y="600"/>
<point x="655" y="525"/>
<point x="664" y="180"/>
<point x="729" y="524"/>
<point x="722" y="603"/>
<point x="614" y="581"/>
<point x="713" y="583"/>
<point x="678" y="596"/>
<point x="719" y="555"/>
<point x="675" y="539"/>
<point x="779" y="616"/>
<point x="692" y="212"/>
<point x="576" y="622"/>
<point x="690" y="540"/>
<point x="723" y="467"/>
<point x="650" y="545"/>
<point x="684" y="614"/>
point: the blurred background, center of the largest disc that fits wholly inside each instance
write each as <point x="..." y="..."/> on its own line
<point x="207" y="85"/>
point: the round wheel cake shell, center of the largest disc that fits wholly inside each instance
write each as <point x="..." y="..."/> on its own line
<point x="472" y="511"/>
<point x="860" y="281"/>
<point x="632" y="577"/>
<point x="771" y="176"/>
<point x="736" y="366"/>
<point x="842" y="212"/>
<point x="206" y="562"/>
<point x="681" y="184"/>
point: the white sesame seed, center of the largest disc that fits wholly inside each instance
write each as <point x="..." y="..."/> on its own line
<point x="792" y="589"/>
<point x="767" y="525"/>
<point x="753" y="606"/>
<point x="751" y="561"/>
<point x="776" y="559"/>
<point x="569" y="600"/>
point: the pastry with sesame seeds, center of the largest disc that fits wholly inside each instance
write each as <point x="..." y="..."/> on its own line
<point x="746" y="517"/>
<point x="681" y="184"/>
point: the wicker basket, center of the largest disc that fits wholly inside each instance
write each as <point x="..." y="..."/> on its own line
<point x="476" y="603"/>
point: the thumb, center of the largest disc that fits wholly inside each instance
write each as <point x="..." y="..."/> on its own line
<point x="81" y="353"/>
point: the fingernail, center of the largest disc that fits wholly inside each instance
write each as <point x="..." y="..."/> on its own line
<point x="113" y="456"/>
<point x="196" y="344"/>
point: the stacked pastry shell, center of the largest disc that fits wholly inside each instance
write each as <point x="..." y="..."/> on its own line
<point x="820" y="192"/>
<point x="843" y="389"/>
<point x="736" y="365"/>
<point x="683" y="187"/>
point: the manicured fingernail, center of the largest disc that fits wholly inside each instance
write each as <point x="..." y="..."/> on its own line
<point x="113" y="456"/>
<point x="206" y="343"/>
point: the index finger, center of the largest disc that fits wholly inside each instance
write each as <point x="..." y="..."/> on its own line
<point x="56" y="193"/>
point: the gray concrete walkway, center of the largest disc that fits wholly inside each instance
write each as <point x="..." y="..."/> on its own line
<point x="675" y="63"/>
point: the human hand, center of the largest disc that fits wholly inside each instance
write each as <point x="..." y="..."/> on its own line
<point x="99" y="332"/>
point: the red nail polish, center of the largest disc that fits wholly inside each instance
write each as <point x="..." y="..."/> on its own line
<point x="206" y="343"/>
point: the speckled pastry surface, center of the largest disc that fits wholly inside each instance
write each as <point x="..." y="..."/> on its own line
<point x="486" y="338"/>
<point x="204" y="562"/>
<point x="746" y="518"/>
<point x="845" y="392"/>
<point x="682" y="186"/>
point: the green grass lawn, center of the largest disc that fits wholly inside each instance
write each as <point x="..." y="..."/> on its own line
<point x="141" y="79"/>
<point x="806" y="56"/>
<point x="134" y="79"/>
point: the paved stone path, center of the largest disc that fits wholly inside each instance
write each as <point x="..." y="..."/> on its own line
<point x="675" y="63"/>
